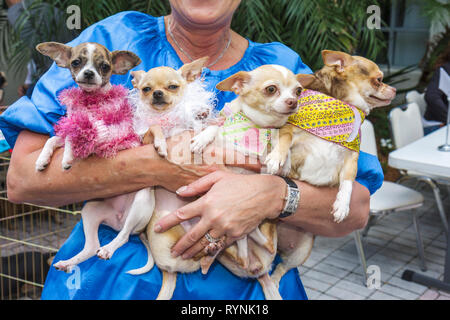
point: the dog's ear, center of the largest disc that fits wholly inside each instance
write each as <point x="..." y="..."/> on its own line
<point x="235" y="83"/>
<point x="305" y="79"/>
<point x="192" y="71"/>
<point x="137" y="77"/>
<point x="339" y="60"/>
<point x="58" y="52"/>
<point x="124" y="61"/>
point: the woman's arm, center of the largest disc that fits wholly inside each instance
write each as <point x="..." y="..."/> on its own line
<point x="236" y="204"/>
<point x="90" y="178"/>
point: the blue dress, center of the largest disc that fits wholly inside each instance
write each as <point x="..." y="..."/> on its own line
<point x="98" y="279"/>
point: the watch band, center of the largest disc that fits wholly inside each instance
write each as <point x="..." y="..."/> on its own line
<point x="292" y="198"/>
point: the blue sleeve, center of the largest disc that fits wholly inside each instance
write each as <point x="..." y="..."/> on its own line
<point x="370" y="174"/>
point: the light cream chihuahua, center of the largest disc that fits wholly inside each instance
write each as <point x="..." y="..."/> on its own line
<point x="267" y="96"/>
<point x="357" y="81"/>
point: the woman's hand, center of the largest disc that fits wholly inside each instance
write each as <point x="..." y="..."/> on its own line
<point x="234" y="205"/>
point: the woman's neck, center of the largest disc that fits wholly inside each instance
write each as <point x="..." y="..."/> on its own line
<point x="193" y="42"/>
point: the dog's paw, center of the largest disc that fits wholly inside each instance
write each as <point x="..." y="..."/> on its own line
<point x="340" y="211"/>
<point x="64" y="265"/>
<point x="198" y="144"/>
<point x="161" y="147"/>
<point x="41" y="165"/>
<point x="274" y="162"/>
<point x="104" y="253"/>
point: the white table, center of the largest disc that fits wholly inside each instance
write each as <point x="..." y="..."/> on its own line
<point x="424" y="157"/>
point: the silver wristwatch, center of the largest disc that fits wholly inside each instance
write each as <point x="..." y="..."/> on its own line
<point x="292" y="199"/>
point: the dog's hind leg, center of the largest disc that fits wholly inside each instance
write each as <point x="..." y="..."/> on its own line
<point x="269" y="288"/>
<point x="242" y="252"/>
<point x="139" y="215"/>
<point x="91" y="217"/>
<point x="169" y="283"/>
<point x="262" y="240"/>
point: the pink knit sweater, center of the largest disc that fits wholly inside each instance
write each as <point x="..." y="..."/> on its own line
<point x="99" y="123"/>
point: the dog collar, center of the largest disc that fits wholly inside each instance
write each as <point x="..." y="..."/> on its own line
<point x="328" y="118"/>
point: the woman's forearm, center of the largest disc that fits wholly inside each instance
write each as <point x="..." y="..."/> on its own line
<point x="90" y="178"/>
<point x="314" y="211"/>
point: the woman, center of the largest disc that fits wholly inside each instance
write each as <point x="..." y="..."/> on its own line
<point x="232" y="205"/>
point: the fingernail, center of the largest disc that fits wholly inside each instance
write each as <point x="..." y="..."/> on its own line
<point x="180" y="214"/>
<point x="174" y="254"/>
<point x="158" y="228"/>
<point x="181" y="190"/>
<point x="185" y="256"/>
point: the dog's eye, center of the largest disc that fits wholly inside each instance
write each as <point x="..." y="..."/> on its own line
<point x="173" y="87"/>
<point x="146" y="89"/>
<point x="76" y="63"/>
<point x="298" y="91"/>
<point x="105" y="67"/>
<point x="271" y="89"/>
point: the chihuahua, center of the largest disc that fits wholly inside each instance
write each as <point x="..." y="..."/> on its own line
<point x="327" y="162"/>
<point x="267" y="96"/>
<point x="169" y="102"/>
<point x="96" y="110"/>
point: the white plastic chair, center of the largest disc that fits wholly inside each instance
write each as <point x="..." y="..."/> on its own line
<point x="391" y="197"/>
<point x="406" y="127"/>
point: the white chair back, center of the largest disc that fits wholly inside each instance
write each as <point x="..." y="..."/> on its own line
<point x="368" y="140"/>
<point x="419" y="98"/>
<point x="406" y="125"/>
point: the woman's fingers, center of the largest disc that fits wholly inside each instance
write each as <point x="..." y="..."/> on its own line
<point x="199" y="247"/>
<point x="187" y="212"/>
<point x="190" y="238"/>
<point x="200" y="186"/>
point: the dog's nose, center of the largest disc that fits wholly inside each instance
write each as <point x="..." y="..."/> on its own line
<point x="291" y="103"/>
<point x="88" y="74"/>
<point x="158" y="94"/>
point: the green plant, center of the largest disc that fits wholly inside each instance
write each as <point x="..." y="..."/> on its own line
<point x="307" y="26"/>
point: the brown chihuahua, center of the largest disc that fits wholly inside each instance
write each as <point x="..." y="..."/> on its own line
<point x="357" y="81"/>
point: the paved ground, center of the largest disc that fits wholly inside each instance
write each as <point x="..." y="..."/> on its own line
<point x="333" y="270"/>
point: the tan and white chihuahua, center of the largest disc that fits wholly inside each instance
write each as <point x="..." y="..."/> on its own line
<point x="357" y="81"/>
<point x="267" y="96"/>
<point x="174" y="101"/>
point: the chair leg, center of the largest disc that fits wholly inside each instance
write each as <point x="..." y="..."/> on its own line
<point x="437" y="196"/>
<point x="419" y="241"/>
<point x="362" y="257"/>
<point x="372" y="221"/>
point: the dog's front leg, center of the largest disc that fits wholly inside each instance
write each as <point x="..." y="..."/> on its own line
<point x="203" y="139"/>
<point x="68" y="155"/>
<point x="280" y="153"/>
<point x="46" y="154"/>
<point x="139" y="214"/>
<point x="341" y="206"/>
<point x="156" y="135"/>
